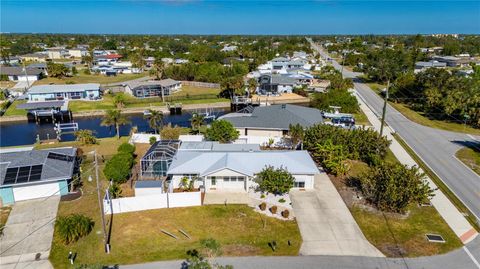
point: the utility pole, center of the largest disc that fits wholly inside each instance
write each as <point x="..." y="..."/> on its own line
<point x="384" y="107"/>
<point x="100" y="203"/>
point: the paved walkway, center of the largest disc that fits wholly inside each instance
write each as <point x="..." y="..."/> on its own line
<point x="457" y="222"/>
<point x="216" y="198"/>
<point x="28" y="233"/>
<point x="326" y="224"/>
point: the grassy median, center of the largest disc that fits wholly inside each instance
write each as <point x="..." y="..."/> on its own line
<point x="470" y="157"/>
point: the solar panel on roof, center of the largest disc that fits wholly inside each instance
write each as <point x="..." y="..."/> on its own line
<point x="23" y="174"/>
<point x="61" y="157"/>
<point x="11" y="175"/>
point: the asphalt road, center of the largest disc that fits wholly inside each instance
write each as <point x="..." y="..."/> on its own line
<point x="457" y="259"/>
<point x="435" y="147"/>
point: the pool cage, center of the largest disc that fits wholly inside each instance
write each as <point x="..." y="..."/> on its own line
<point x="155" y="163"/>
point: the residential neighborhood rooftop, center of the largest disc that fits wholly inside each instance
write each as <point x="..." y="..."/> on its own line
<point x="36" y="165"/>
<point x="248" y="163"/>
<point x="277" y="117"/>
<point x="64" y="88"/>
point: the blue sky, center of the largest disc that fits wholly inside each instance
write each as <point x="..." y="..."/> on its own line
<point x="240" y="17"/>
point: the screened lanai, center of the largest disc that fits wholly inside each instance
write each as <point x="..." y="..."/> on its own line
<point x="157" y="160"/>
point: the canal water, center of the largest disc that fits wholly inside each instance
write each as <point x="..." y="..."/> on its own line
<point x="25" y="133"/>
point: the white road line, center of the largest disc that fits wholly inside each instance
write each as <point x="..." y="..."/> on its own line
<point x="471" y="257"/>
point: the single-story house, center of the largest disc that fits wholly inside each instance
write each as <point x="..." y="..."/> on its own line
<point x="273" y="121"/>
<point x="421" y="66"/>
<point x="319" y="85"/>
<point x="152" y="88"/>
<point x="30" y="174"/>
<point x="90" y="91"/>
<point x="34" y="57"/>
<point x="57" y="53"/>
<point x="16" y="73"/>
<point x="236" y="170"/>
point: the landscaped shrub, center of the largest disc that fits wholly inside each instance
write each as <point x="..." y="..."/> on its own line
<point x="273" y="209"/>
<point x="118" y="167"/>
<point x="263" y="206"/>
<point x="126" y="148"/>
<point x="262" y="196"/>
<point x="73" y="227"/>
<point x="222" y="131"/>
<point x="152" y="140"/>
<point x="358" y="144"/>
<point x="285" y="213"/>
<point x="393" y="186"/>
<point x="281" y="200"/>
<point x="277" y="181"/>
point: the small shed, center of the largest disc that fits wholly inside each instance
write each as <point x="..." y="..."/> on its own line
<point x="148" y="187"/>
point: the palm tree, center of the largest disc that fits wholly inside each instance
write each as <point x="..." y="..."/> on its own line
<point x="119" y="100"/>
<point x="155" y="120"/>
<point x="114" y="117"/>
<point x="297" y="134"/>
<point x="252" y="86"/>
<point x="197" y="121"/>
<point x="158" y="67"/>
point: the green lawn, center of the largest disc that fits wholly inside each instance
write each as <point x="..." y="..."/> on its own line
<point x="388" y="232"/>
<point x="421" y="118"/>
<point x="470" y="157"/>
<point x="392" y="231"/>
<point x="136" y="236"/>
<point x="92" y="78"/>
<point x="192" y="90"/>
<point x="13" y="111"/>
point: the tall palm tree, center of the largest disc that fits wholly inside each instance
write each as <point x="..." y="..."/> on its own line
<point x="119" y="100"/>
<point x="252" y="86"/>
<point x="114" y="117"/>
<point x="197" y="121"/>
<point x="155" y="120"/>
<point x="158" y="67"/>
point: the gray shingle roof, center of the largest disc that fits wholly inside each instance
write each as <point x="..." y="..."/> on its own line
<point x="18" y="71"/>
<point x="283" y="80"/>
<point x="52" y="169"/>
<point x="64" y="88"/>
<point x="164" y="83"/>
<point x="277" y="117"/>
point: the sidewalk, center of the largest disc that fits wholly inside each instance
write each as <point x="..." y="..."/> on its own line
<point x="457" y="222"/>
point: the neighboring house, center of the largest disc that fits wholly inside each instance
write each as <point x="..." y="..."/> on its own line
<point x="10" y="60"/>
<point x="229" y="48"/>
<point x="421" y="66"/>
<point x="16" y="73"/>
<point x="57" y="53"/>
<point x="153" y="88"/>
<point x="77" y="53"/>
<point x="276" y="83"/>
<point x="235" y="171"/>
<point x="41" y="66"/>
<point x="319" y="85"/>
<point x="452" y="61"/>
<point x="89" y="91"/>
<point x="107" y="59"/>
<point x="222" y="167"/>
<point x="32" y="174"/>
<point x="34" y="57"/>
<point x="273" y="121"/>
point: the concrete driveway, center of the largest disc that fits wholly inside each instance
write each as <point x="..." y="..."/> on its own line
<point x="326" y="224"/>
<point x="28" y="233"/>
<point x="216" y="198"/>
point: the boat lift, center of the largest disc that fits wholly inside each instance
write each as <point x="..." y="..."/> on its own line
<point x="65" y="128"/>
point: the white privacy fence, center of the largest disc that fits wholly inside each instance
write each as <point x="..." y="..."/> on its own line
<point x="157" y="201"/>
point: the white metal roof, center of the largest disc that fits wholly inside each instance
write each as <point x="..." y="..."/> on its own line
<point x="64" y="88"/>
<point x="247" y="163"/>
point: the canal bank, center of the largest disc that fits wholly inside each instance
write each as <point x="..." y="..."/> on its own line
<point x="25" y="133"/>
<point x="131" y="110"/>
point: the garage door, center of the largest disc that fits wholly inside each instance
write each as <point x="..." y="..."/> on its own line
<point x="35" y="191"/>
<point x="233" y="182"/>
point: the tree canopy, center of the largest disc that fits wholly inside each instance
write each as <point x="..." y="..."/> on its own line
<point x="222" y="131"/>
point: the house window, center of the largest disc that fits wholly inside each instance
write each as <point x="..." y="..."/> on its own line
<point x="213" y="180"/>
<point x="299" y="184"/>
